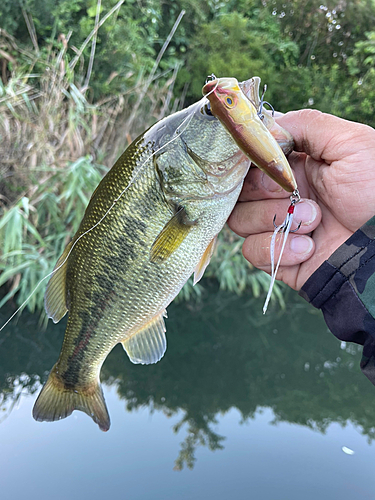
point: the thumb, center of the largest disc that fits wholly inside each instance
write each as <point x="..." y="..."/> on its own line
<point x="322" y="136"/>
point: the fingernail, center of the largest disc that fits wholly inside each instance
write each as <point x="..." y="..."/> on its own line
<point x="305" y="212"/>
<point x="301" y="244"/>
<point x="269" y="184"/>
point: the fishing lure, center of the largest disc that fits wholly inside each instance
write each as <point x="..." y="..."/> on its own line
<point x="236" y="105"/>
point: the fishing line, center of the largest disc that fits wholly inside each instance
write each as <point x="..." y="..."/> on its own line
<point x="135" y="175"/>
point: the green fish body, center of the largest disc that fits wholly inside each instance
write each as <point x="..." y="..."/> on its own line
<point x="174" y="187"/>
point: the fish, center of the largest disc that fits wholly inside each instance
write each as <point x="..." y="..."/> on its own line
<point x="150" y="224"/>
<point x="241" y="117"/>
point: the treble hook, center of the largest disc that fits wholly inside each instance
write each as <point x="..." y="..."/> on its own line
<point x="284" y="228"/>
<point x="260" y="114"/>
<point x="270" y="105"/>
<point x="262" y="103"/>
<point x="210" y="78"/>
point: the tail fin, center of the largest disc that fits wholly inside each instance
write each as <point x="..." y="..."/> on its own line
<point x="56" y="402"/>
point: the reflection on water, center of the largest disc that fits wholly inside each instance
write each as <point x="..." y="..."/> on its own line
<point x="222" y="354"/>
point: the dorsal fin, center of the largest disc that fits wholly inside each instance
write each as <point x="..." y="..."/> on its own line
<point x="55" y="296"/>
<point x="149" y="344"/>
<point x="205" y="260"/>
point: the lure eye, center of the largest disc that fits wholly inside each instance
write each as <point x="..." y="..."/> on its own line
<point x="229" y="101"/>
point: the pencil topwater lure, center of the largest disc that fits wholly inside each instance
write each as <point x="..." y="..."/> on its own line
<point x="236" y="106"/>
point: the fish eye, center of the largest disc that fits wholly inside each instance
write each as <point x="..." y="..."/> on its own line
<point x="206" y="110"/>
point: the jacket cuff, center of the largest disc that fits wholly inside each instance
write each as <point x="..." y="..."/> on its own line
<point x="343" y="287"/>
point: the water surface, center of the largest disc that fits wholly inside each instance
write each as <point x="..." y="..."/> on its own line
<point x="241" y="406"/>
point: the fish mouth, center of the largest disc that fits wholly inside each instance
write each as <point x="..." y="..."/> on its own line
<point x="243" y="122"/>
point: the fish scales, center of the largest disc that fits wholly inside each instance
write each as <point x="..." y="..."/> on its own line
<point x="150" y="223"/>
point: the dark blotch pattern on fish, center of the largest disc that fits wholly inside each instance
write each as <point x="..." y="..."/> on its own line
<point x="122" y="256"/>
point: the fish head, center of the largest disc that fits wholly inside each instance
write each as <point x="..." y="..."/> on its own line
<point x="239" y="115"/>
<point x="197" y="156"/>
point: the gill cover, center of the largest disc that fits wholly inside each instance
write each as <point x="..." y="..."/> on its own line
<point x="240" y="117"/>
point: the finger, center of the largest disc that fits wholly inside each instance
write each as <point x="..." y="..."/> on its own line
<point x="257" y="216"/>
<point x="298" y="249"/>
<point x="323" y="136"/>
<point x="258" y="186"/>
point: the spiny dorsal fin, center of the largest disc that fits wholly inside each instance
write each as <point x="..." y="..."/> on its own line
<point x="171" y="236"/>
<point x="205" y="260"/>
<point x="55" y="296"/>
<point x="149" y="344"/>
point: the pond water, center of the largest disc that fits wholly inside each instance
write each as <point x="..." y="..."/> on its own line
<point x="242" y="406"/>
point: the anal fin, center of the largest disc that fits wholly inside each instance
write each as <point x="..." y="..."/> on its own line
<point x="205" y="260"/>
<point x="55" y="296"/>
<point x="149" y="344"/>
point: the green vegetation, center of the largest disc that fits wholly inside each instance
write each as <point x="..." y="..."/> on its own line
<point x="79" y="80"/>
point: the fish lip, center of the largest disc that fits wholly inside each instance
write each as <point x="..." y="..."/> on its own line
<point x="247" y="86"/>
<point x="226" y="83"/>
<point x="209" y="86"/>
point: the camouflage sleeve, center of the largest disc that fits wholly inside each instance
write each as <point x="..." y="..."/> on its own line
<point x="344" y="289"/>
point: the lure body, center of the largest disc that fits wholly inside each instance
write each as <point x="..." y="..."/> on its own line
<point x="160" y="208"/>
<point x="240" y="116"/>
<point x="283" y="138"/>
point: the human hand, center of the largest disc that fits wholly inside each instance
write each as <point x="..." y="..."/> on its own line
<point x="335" y="171"/>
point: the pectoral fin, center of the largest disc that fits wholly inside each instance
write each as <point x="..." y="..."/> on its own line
<point x="205" y="260"/>
<point x="171" y="236"/>
<point x="149" y="344"/>
<point x="55" y="296"/>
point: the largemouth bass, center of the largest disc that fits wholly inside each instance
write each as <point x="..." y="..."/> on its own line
<point x="150" y="224"/>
